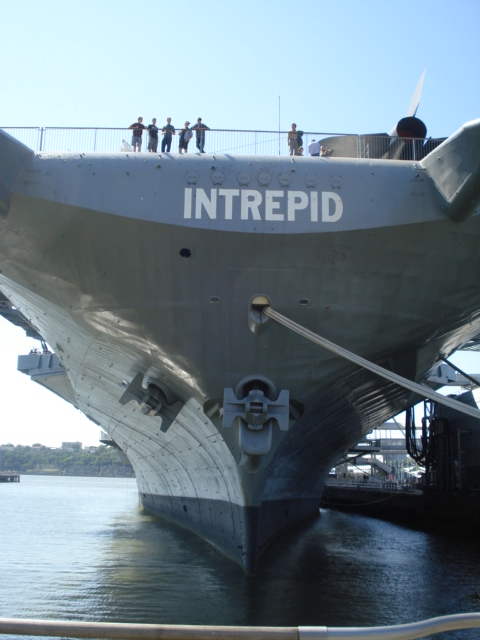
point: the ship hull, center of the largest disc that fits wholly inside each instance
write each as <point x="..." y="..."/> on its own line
<point x="218" y="522"/>
<point x="122" y="284"/>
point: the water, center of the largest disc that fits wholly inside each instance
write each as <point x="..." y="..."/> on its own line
<point x="81" y="549"/>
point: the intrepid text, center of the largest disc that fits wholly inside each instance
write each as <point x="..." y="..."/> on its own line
<point x="277" y="206"/>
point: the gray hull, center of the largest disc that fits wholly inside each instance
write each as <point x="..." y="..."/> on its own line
<point x="240" y="533"/>
<point x="92" y="253"/>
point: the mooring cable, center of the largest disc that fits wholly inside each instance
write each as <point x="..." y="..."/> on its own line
<point x="420" y="389"/>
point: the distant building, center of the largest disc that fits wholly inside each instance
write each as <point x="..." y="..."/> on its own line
<point x="72" y="446"/>
<point x="37" y="446"/>
<point x="7" y="447"/>
<point x="91" y="449"/>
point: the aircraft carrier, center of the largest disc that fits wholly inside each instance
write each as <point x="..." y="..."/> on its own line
<point x="148" y="276"/>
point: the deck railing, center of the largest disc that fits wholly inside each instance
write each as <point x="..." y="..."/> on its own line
<point x="67" y="629"/>
<point x="372" y="484"/>
<point x="234" y="142"/>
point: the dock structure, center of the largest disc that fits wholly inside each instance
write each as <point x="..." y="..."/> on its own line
<point x="433" y="509"/>
<point x="9" y="477"/>
<point x="442" y="491"/>
<point x="387" y="500"/>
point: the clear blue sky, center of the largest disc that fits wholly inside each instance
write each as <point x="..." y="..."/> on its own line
<point x="338" y="65"/>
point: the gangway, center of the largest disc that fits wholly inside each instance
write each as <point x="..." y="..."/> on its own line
<point x="378" y="464"/>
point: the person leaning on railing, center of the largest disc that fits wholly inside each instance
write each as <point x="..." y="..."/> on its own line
<point x="153" y="136"/>
<point x="138" y="128"/>
<point x="200" y="129"/>
<point x="168" y="131"/>
<point x="185" y="136"/>
<point x="314" y="148"/>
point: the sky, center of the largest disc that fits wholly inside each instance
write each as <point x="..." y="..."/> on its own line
<point x="338" y="66"/>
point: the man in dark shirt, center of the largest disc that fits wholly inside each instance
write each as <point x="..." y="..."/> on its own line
<point x="168" y="131"/>
<point x="153" y="136"/>
<point x="200" y="129"/>
<point x="138" y="128"/>
<point x="185" y="136"/>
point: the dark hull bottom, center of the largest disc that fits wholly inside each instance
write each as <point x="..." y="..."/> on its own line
<point x="240" y="533"/>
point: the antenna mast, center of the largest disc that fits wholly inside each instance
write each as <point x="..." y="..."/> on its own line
<point x="278" y="125"/>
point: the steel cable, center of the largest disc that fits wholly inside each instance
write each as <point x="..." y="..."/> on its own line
<point x="420" y="389"/>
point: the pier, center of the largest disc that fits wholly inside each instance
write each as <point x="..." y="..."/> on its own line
<point x="382" y="501"/>
<point x="9" y="477"/>
<point x="430" y="478"/>
<point x="456" y="512"/>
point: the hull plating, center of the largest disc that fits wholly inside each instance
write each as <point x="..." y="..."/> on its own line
<point x="114" y="295"/>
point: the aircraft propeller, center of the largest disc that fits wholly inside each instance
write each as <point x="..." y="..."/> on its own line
<point x="410" y="126"/>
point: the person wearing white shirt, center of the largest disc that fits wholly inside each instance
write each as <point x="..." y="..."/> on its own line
<point x="314" y="148"/>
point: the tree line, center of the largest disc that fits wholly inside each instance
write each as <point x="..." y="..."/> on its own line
<point x="104" y="461"/>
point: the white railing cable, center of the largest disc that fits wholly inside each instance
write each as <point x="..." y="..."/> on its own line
<point x="420" y="389"/>
<point x="65" y="628"/>
<point x="397" y="632"/>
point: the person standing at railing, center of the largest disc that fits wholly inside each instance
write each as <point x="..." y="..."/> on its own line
<point x="292" y="139"/>
<point x="314" y="148"/>
<point x="138" y="128"/>
<point x="168" y="131"/>
<point x="153" y="136"/>
<point x="200" y="129"/>
<point x="185" y="136"/>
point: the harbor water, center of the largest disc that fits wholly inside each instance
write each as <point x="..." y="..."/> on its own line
<point x="82" y="549"/>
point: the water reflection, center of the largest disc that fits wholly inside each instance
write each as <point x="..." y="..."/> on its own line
<point x="336" y="570"/>
<point x="83" y="550"/>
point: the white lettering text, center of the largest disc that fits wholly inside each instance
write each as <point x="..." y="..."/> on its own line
<point x="187" y="205"/>
<point x="314" y="206"/>
<point x="337" y="214"/>
<point x="210" y="205"/>
<point x="250" y="204"/>
<point x="293" y="205"/>
<point x="229" y="195"/>
<point x="270" y="205"/>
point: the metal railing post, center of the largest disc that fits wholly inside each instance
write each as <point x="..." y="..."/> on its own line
<point x="41" y="138"/>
